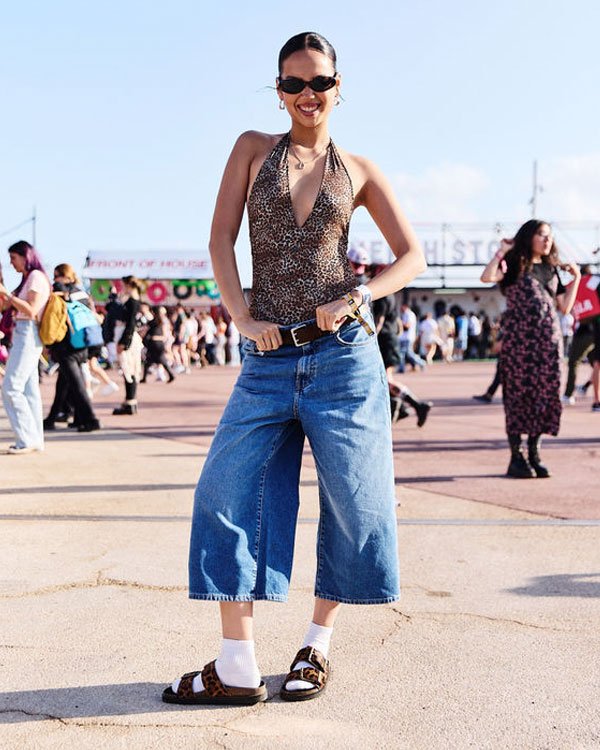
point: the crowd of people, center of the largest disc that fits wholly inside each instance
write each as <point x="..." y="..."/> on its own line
<point x="137" y="342"/>
<point x="142" y="342"/>
<point x="449" y="334"/>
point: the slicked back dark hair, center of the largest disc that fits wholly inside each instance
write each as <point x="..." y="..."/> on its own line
<point x="519" y="258"/>
<point x="307" y="40"/>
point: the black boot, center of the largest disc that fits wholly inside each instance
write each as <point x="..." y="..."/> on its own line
<point x="126" y="409"/>
<point x="90" y="426"/>
<point x="533" y="452"/>
<point x="130" y="390"/>
<point x="518" y="466"/>
<point x="421" y="407"/>
<point x="399" y="411"/>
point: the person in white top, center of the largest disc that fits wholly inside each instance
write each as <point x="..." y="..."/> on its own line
<point x="21" y="388"/>
<point x="567" y="327"/>
<point x="208" y="332"/>
<point x="474" y="336"/>
<point x="430" y="337"/>
<point x="447" y="330"/>
<point x="407" y="338"/>
<point x="233" y="344"/>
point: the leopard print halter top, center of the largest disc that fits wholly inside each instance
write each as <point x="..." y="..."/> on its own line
<point x="297" y="268"/>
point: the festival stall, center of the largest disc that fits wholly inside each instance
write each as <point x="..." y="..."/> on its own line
<point x="168" y="277"/>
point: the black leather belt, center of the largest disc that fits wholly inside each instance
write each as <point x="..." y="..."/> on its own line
<point x="305" y="333"/>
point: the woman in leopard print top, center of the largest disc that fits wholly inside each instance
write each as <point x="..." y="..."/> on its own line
<point x="311" y="370"/>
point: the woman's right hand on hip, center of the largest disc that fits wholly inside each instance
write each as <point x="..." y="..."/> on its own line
<point x="265" y="334"/>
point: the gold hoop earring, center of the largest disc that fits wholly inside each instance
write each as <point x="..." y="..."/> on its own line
<point x="281" y="104"/>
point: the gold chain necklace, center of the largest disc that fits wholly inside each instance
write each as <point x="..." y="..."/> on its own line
<point x="300" y="164"/>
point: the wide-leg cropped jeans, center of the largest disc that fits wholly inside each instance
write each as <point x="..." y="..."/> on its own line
<point x="334" y="392"/>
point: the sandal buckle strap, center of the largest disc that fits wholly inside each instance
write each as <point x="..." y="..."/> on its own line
<point x="312" y="656"/>
<point x="186" y="689"/>
<point x="308" y="674"/>
<point x="212" y="684"/>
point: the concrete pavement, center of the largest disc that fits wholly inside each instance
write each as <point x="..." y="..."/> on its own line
<point x="494" y="644"/>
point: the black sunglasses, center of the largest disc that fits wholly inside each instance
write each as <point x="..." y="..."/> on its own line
<point x="296" y="85"/>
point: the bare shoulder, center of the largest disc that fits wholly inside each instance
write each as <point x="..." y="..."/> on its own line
<point x="253" y="143"/>
<point x="362" y="172"/>
<point x="252" y="148"/>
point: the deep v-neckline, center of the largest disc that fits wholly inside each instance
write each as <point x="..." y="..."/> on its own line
<point x="288" y="187"/>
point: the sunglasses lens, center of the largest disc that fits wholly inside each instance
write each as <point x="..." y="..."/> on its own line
<point x="322" y="83"/>
<point x="296" y="85"/>
<point x="291" y="85"/>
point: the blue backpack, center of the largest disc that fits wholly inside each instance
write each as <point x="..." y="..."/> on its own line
<point x="84" y="329"/>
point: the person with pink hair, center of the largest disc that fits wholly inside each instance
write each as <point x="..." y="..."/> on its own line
<point x="21" y="389"/>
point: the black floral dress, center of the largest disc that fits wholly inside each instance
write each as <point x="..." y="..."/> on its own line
<point x="531" y="355"/>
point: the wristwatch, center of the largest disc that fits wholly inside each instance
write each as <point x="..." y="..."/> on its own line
<point x="365" y="293"/>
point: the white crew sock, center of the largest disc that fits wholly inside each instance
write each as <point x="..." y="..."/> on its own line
<point x="236" y="667"/>
<point x="317" y="636"/>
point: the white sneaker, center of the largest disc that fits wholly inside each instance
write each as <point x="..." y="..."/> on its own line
<point x="109" y="388"/>
<point x="14" y="451"/>
<point x="568" y="400"/>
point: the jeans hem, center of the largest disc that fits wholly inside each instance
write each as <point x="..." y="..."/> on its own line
<point x="346" y="600"/>
<point x="239" y="597"/>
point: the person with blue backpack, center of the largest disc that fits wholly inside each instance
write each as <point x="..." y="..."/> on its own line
<point x="83" y="330"/>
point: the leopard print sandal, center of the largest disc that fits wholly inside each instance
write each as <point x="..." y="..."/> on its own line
<point x="317" y="674"/>
<point x="214" y="693"/>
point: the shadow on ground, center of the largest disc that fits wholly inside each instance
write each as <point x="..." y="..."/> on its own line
<point x="585" y="585"/>
<point x="88" y="701"/>
<point x="85" y="489"/>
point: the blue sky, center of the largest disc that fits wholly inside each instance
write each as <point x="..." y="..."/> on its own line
<point x="118" y="117"/>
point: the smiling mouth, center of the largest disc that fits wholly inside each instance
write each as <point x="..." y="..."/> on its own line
<point x="309" y="109"/>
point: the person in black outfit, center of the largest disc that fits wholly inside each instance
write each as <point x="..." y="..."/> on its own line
<point x="488" y="396"/>
<point x="129" y="346"/>
<point x="113" y="314"/>
<point x="386" y="322"/>
<point x="154" y="341"/>
<point x="385" y="315"/>
<point x="582" y="346"/>
<point x="70" y="385"/>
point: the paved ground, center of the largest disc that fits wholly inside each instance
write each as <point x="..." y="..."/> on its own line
<point x="494" y="645"/>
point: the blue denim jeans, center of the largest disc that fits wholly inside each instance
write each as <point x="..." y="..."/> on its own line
<point x="334" y="392"/>
<point x="407" y="353"/>
<point x="21" y="386"/>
